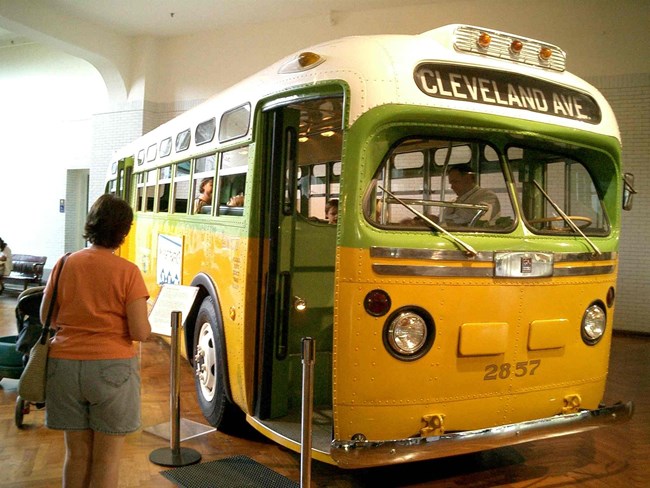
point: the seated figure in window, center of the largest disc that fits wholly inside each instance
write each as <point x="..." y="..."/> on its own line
<point x="231" y="194"/>
<point x="236" y="200"/>
<point x="463" y="182"/>
<point x="332" y="211"/>
<point x="205" y="195"/>
<point x="232" y="190"/>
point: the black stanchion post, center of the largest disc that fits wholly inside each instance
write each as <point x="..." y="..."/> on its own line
<point x="308" y="357"/>
<point x="175" y="455"/>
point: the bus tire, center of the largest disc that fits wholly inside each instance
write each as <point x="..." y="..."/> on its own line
<point x="210" y="377"/>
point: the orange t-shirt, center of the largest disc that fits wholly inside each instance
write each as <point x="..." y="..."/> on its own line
<point x="94" y="289"/>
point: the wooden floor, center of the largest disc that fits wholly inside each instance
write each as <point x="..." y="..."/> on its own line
<point x="611" y="457"/>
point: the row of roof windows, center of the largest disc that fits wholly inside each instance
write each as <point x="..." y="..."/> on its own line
<point x="233" y="124"/>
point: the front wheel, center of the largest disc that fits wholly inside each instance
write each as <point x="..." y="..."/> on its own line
<point x="210" y="375"/>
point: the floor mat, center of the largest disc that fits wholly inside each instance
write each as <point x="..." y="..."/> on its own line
<point x="237" y="471"/>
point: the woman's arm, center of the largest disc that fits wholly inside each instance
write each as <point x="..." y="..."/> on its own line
<point x="137" y="319"/>
<point x="48" y="291"/>
<point x="45" y="306"/>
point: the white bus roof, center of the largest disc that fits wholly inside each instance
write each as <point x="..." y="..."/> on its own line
<point x="442" y="68"/>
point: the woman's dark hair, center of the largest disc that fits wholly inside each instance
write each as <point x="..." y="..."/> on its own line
<point x="204" y="181"/>
<point x="2" y="244"/>
<point x="333" y="202"/>
<point x="108" y="221"/>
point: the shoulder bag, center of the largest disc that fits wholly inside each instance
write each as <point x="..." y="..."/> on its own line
<point x="31" y="386"/>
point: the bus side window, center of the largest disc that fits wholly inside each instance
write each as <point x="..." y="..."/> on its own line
<point x="164" y="188"/>
<point x="317" y="185"/>
<point x="150" y="190"/>
<point x="232" y="181"/>
<point x="181" y="194"/>
<point x="203" y="185"/>
<point x="140" y="191"/>
<point x="181" y="187"/>
<point x="231" y="194"/>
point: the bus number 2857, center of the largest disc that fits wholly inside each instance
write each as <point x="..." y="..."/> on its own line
<point x="505" y="370"/>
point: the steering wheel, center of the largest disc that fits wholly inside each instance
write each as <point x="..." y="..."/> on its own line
<point x="584" y="222"/>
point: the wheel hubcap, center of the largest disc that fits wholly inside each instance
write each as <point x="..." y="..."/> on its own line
<point x="205" y="360"/>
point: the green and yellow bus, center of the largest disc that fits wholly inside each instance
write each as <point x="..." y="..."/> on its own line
<point x="433" y="336"/>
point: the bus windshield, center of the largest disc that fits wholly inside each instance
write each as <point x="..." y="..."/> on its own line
<point x="450" y="182"/>
<point x="461" y="185"/>
<point x="545" y="181"/>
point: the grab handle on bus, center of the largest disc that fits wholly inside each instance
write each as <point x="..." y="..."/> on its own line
<point x="285" y="309"/>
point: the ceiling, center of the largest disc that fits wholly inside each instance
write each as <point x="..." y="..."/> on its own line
<point x="169" y="18"/>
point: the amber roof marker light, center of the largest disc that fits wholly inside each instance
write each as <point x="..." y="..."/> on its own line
<point x="308" y="58"/>
<point x="516" y="46"/>
<point x="301" y="62"/>
<point x="508" y="47"/>
<point x="545" y="53"/>
<point x="484" y="39"/>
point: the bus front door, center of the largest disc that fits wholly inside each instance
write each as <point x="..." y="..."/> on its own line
<point x="298" y="270"/>
<point x="278" y="229"/>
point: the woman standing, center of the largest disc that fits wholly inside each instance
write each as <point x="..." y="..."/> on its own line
<point x="93" y="385"/>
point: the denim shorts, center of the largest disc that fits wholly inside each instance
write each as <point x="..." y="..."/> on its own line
<point x="102" y="395"/>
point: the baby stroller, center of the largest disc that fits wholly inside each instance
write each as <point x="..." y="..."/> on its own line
<point x="15" y="349"/>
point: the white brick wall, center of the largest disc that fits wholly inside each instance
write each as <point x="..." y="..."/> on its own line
<point x="630" y="98"/>
<point x="120" y="126"/>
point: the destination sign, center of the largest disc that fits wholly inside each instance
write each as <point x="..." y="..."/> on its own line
<point x="492" y="87"/>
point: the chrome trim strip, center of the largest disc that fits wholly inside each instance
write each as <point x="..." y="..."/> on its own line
<point x="584" y="270"/>
<point x="365" y="454"/>
<point x="444" y="255"/>
<point x="441" y="271"/>
<point x="430" y="254"/>
<point x="482" y="257"/>
<point x="584" y="256"/>
<point x="398" y="270"/>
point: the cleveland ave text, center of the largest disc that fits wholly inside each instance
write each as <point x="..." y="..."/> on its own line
<point x="498" y="88"/>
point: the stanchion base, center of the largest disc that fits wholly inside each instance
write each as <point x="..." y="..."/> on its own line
<point x="188" y="430"/>
<point x="166" y="456"/>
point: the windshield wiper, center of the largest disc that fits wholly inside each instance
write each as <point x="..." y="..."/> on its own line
<point x="566" y="218"/>
<point x="430" y="222"/>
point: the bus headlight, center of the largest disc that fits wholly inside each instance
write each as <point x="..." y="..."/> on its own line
<point x="409" y="333"/>
<point x="593" y="323"/>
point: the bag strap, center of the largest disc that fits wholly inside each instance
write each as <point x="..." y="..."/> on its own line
<point x="46" y="325"/>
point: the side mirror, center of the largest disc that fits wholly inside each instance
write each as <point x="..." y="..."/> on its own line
<point x="628" y="191"/>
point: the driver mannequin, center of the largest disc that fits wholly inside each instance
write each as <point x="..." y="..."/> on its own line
<point x="463" y="182"/>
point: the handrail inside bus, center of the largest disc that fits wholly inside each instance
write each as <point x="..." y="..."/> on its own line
<point x="431" y="223"/>
<point x="566" y="218"/>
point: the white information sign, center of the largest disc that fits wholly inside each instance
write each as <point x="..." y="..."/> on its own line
<point x="172" y="298"/>
<point x="169" y="259"/>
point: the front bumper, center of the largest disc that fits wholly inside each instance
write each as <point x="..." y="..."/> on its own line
<point x="363" y="454"/>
